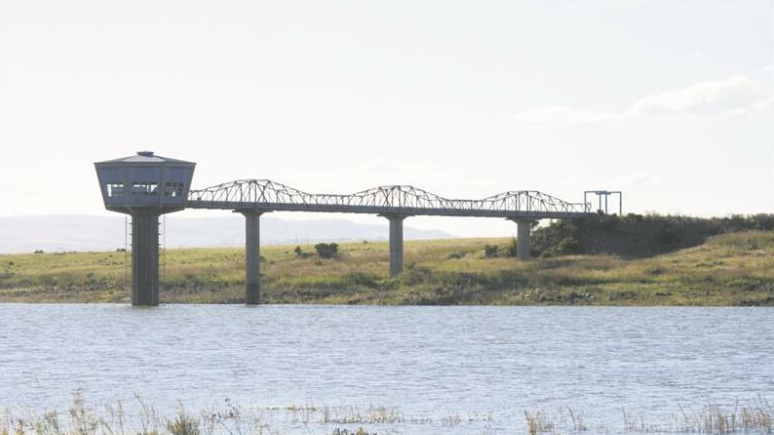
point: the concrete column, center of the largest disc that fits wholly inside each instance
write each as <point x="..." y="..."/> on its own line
<point x="145" y="259"/>
<point x="620" y="204"/>
<point x="523" y="227"/>
<point x="396" y="243"/>
<point x="252" y="257"/>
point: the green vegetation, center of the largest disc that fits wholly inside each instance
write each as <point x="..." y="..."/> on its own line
<point x="327" y="250"/>
<point x="727" y="269"/>
<point x="636" y="236"/>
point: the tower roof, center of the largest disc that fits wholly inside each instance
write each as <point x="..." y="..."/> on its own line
<point x="146" y="157"/>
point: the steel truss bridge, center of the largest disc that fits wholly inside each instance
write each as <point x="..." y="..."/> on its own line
<point x="267" y="195"/>
<point x="255" y="197"/>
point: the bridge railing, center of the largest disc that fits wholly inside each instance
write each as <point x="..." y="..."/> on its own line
<point x="398" y="197"/>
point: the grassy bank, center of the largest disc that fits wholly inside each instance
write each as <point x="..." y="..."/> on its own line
<point x="637" y="236"/>
<point x="728" y="269"/>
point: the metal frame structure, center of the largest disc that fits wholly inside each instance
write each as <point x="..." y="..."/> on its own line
<point x="603" y="194"/>
<point x="267" y="195"/>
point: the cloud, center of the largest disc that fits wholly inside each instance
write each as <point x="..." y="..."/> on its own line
<point x="735" y="95"/>
<point x="757" y="107"/>
<point x="736" y="92"/>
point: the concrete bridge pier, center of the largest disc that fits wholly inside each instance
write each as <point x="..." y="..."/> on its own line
<point x="252" y="257"/>
<point x="145" y="259"/>
<point x="396" y="242"/>
<point x="523" y="227"/>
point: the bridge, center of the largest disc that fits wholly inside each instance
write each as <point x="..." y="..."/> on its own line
<point x="147" y="185"/>
<point x="267" y="195"/>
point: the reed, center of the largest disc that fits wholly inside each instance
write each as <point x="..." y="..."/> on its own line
<point x="226" y="419"/>
<point x="757" y="417"/>
<point x="753" y="418"/>
<point x="538" y="422"/>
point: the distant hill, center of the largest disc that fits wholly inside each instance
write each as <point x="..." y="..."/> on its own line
<point x="98" y="233"/>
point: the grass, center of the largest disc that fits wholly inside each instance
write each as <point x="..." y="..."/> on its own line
<point x="226" y="419"/>
<point x="728" y="269"/>
<point x="754" y="418"/>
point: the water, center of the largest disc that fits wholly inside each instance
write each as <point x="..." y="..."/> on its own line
<point x="484" y="364"/>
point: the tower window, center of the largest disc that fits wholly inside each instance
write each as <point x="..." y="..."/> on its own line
<point x="115" y="190"/>
<point x="173" y="189"/>
<point x="145" y="189"/>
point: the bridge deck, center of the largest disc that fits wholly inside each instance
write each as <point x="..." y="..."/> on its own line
<point x="266" y="195"/>
<point x="382" y="210"/>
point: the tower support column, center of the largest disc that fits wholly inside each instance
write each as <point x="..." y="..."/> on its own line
<point x="523" y="227"/>
<point x="396" y="242"/>
<point x="145" y="259"/>
<point x="252" y="257"/>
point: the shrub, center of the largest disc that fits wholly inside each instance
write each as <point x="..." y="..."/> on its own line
<point x="300" y="253"/>
<point x="491" y="251"/>
<point x="635" y="235"/>
<point x="512" y="250"/>
<point x="183" y="424"/>
<point x="570" y="245"/>
<point x="327" y="250"/>
<point x="361" y="279"/>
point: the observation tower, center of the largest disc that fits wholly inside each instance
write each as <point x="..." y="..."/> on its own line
<point x="145" y="186"/>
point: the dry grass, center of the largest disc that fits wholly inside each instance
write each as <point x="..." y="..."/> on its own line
<point x="731" y="269"/>
<point x="228" y="419"/>
<point x="755" y="418"/>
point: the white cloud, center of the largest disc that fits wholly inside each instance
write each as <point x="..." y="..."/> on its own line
<point x="736" y="92"/>
<point x="757" y="107"/>
<point x="733" y="95"/>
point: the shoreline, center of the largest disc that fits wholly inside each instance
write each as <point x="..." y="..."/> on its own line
<point x="733" y="269"/>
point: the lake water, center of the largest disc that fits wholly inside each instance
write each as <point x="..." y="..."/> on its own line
<point x="457" y="370"/>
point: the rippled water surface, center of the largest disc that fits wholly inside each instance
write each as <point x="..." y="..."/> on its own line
<point x="484" y="364"/>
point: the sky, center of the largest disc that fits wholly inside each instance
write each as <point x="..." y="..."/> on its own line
<point x="669" y="101"/>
